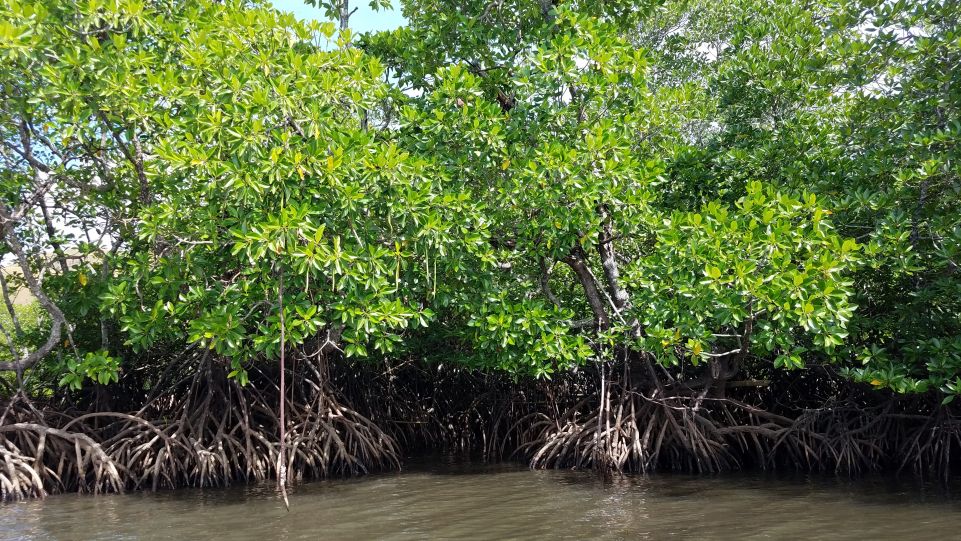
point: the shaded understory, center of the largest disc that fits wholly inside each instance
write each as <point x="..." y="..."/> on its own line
<point x="195" y="427"/>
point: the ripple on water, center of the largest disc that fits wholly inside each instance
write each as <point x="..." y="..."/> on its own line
<point x="451" y="500"/>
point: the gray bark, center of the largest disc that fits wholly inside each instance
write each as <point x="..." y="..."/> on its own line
<point x="577" y="261"/>
<point x="28" y="359"/>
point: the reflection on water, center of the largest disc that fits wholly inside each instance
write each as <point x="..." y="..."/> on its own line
<point x="442" y="500"/>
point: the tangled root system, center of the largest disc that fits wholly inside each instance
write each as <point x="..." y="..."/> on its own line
<point x="199" y="428"/>
<point x="202" y="430"/>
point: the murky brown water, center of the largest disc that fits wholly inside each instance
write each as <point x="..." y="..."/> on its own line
<point x="440" y="500"/>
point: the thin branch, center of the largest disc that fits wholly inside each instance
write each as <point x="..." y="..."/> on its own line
<point x="58" y="321"/>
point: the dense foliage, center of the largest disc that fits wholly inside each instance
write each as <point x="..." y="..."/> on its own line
<point x="694" y="191"/>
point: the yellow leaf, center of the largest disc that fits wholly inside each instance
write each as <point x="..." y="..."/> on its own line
<point x="82" y="278"/>
<point x="505" y="164"/>
<point x="876" y="382"/>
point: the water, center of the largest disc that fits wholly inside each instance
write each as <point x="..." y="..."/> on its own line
<point x="444" y="500"/>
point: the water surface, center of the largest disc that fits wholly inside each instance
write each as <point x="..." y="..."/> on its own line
<point x="443" y="500"/>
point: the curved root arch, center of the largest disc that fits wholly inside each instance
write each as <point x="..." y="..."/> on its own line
<point x="202" y="430"/>
<point x="37" y="457"/>
<point x="624" y="429"/>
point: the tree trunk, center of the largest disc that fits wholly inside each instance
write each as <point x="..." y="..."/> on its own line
<point x="577" y="261"/>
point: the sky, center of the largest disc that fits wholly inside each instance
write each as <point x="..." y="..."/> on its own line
<point x="364" y="20"/>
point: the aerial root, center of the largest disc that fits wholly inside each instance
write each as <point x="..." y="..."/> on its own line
<point x="625" y="430"/>
<point x="209" y="431"/>
<point x="326" y="437"/>
<point x="633" y="433"/>
<point x="37" y="458"/>
<point x="932" y="446"/>
<point x="19" y="477"/>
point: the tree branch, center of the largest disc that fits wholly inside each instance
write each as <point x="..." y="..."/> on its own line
<point x="605" y="248"/>
<point x="545" y="282"/>
<point x="135" y="158"/>
<point x="577" y="262"/>
<point x="58" y="321"/>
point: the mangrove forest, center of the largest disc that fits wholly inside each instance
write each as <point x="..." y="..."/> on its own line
<point x="610" y="235"/>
